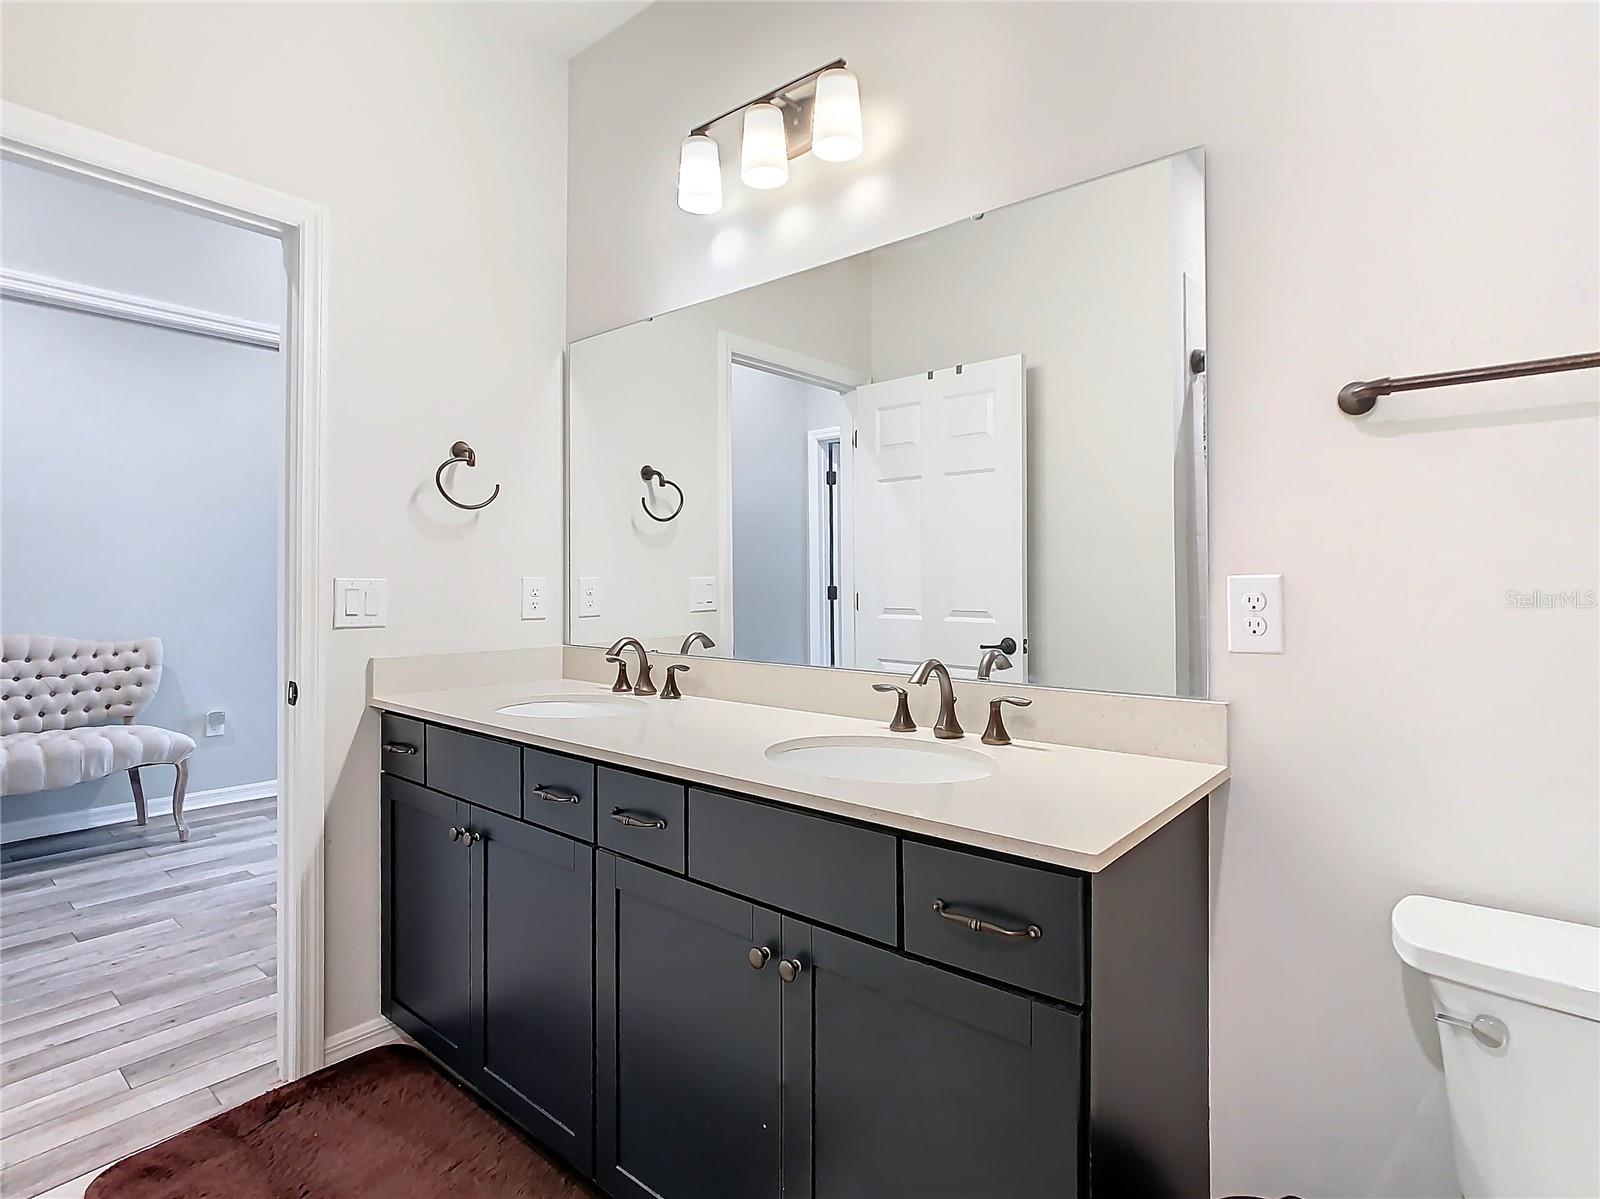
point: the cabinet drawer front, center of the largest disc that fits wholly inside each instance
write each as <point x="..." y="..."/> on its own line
<point x="1032" y="919"/>
<point x="558" y="793"/>
<point x="476" y="769"/>
<point x="823" y="869"/>
<point x="402" y="746"/>
<point x="640" y="816"/>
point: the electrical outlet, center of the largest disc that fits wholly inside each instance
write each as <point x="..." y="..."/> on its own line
<point x="1255" y="614"/>
<point x="589" y="596"/>
<point x="533" y="591"/>
<point x="703" y="593"/>
<point x="216" y="722"/>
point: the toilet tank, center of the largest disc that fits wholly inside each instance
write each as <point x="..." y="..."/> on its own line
<point x="1524" y="1085"/>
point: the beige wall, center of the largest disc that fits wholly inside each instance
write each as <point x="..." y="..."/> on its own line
<point x="435" y="136"/>
<point x="1390" y="188"/>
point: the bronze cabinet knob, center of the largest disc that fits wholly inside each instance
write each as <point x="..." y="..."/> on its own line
<point x="790" y="969"/>
<point x="759" y="957"/>
<point x="456" y="833"/>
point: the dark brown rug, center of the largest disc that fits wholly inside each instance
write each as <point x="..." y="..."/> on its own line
<point x="384" y="1125"/>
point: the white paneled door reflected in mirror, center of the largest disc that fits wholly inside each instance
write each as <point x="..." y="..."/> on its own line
<point x="987" y="436"/>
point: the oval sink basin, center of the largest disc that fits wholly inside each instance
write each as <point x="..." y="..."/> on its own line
<point x="880" y="760"/>
<point x="573" y="707"/>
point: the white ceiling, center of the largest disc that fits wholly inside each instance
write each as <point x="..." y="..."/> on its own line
<point x="568" y="27"/>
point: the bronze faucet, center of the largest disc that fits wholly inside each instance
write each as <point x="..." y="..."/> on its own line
<point x="993" y="658"/>
<point x="694" y="639"/>
<point x="996" y="733"/>
<point x="669" y="690"/>
<point x="947" y="728"/>
<point x="644" y="686"/>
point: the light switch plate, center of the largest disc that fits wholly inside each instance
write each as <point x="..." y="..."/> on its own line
<point x="703" y="593"/>
<point x="360" y="603"/>
<point x="1255" y="614"/>
<point x="589" y="595"/>
<point x="534" y="588"/>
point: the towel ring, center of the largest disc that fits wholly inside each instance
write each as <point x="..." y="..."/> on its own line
<point x="463" y="453"/>
<point x="649" y="473"/>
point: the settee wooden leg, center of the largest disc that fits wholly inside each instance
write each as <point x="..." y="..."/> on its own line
<point x="178" y="789"/>
<point x="138" y="796"/>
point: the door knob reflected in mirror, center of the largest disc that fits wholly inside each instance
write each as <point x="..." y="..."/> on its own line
<point x="1006" y="645"/>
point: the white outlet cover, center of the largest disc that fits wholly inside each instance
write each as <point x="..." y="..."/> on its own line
<point x="1255" y="614"/>
<point x="534" y="590"/>
<point x="589" y="596"/>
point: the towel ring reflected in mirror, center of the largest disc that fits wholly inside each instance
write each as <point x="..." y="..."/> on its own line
<point x="650" y="474"/>
<point x="464" y="454"/>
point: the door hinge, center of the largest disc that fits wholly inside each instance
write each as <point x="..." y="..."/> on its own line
<point x="833" y="592"/>
<point x="833" y="478"/>
<point x="292" y="693"/>
<point x="855" y="438"/>
<point x="858" y="601"/>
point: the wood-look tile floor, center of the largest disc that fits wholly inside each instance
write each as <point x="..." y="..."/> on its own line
<point x="137" y="988"/>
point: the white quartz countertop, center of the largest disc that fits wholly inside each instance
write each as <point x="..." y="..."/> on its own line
<point x="1074" y="807"/>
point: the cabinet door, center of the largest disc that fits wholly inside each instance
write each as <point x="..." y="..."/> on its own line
<point x="533" y="939"/>
<point x="928" y="1085"/>
<point x="689" y="1052"/>
<point x="427" y="988"/>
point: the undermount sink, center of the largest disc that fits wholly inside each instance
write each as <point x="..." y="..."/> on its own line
<point x="880" y="760"/>
<point x="574" y="707"/>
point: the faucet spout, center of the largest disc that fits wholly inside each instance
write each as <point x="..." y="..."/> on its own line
<point x="694" y="639"/>
<point x="644" y="686"/>
<point x="947" y="728"/>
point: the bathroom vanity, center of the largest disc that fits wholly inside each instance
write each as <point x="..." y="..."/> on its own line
<point x="693" y="971"/>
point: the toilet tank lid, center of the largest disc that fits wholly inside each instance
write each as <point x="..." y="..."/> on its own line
<point x="1552" y="963"/>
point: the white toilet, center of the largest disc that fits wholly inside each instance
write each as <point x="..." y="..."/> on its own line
<point x="1517" y="1003"/>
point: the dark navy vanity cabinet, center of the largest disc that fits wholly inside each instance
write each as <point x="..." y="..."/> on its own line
<point x="694" y="995"/>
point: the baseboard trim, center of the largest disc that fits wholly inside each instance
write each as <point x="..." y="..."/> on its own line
<point x="49" y="823"/>
<point x="362" y="1037"/>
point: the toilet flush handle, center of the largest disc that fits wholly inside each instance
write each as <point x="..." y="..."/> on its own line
<point x="1490" y="1030"/>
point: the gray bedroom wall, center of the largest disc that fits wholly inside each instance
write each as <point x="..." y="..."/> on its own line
<point x="141" y="469"/>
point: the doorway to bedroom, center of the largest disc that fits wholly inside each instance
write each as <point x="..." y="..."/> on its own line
<point x="142" y="416"/>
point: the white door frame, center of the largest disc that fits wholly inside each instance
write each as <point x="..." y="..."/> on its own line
<point x="816" y="626"/>
<point x="67" y="149"/>
<point x="734" y="349"/>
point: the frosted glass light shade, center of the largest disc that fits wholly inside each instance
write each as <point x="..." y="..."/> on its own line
<point x="836" y="118"/>
<point x="699" y="176"/>
<point x="764" y="152"/>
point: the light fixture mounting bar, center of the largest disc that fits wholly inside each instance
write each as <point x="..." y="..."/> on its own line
<point x="776" y="93"/>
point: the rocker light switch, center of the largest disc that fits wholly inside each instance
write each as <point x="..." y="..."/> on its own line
<point x="360" y="603"/>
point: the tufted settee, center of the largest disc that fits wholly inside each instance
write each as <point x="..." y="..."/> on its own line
<point x="60" y="700"/>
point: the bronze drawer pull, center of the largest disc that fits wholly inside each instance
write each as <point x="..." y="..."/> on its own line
<point x="622" y="816"/>
<point x="398" y="747"/>
<point x="557" y="795"/>
<point x="1033" y="932"/>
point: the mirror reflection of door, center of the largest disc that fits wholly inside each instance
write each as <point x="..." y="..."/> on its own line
<point x="788" y="515"/>
<point x="940" y="512"/>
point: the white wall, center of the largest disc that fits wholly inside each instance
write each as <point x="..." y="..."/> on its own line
<point x="648" y="393"/>
<point x="435" y="135"/>
<point x="1390" y="188"/>
<point x="140" y="472"/>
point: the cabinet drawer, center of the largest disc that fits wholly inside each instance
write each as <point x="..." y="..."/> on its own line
<point x="945" y="890"/>
<point x="640" y="816"/>
<point x="823" y="869"/>
<point x="476" y="769"/>
<point x="558" y="793"/>
<point x="402" y="745"/>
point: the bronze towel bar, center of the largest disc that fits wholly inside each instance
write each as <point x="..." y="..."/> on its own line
<point x="1358" y="399"/>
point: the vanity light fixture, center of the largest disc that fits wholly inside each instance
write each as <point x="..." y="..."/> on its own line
<point x="818" y="112"/>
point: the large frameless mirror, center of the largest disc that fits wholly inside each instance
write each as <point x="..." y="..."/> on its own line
<point x="987" y="437"/>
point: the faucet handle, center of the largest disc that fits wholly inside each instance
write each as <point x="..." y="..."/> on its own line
<point x="996" y="733"/>
<point x="669" y="689"/>
<point x="622" y="683"/>
<point x="902" y="722"/>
